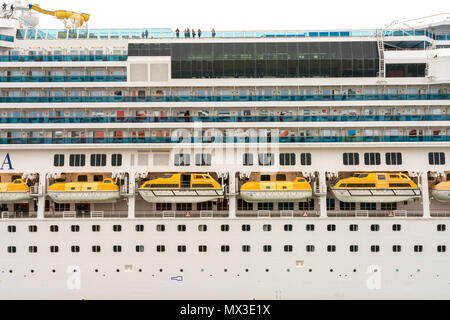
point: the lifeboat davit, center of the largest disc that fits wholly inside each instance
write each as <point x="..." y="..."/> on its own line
<point x="266" y="191"/>
<point x="376" y="187"/>
<point x="15" y="192"/>
<point x="181" y="188"/>
<point x="441" y="191"/>
<point x="85" y="192"/>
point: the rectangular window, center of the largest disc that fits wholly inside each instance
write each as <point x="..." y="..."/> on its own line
<point x="98" y="160"/>
<point x="305" y="159"/>
<point x="394" y="159"/>
<point x="182" y="160"/>
<point x="372" y="159"/>
<point x="287" y="159"/>
<point x="163" y="207"/>
<point x="244" y="206"/>
<point x="347" y="206"/>
<point x="184" y="206"/>
<point x="331" y="204"/>
<point x="305" y="206"/>
<point x="369" y="206"/>
<point x="203" y="160"/>
<point x="266" y="159"/>
<point x="436" y="158"/>
<point x="265" y="206"/>
<point x="351" y="159"/>
<point x="116" y="160"/>
<point x="248" y="159"/>
<point x="389" y="206"/>
<point x="77" y="160"/>
<point x="205" y="206"/>
<point x="287" y="206"/>
<point x="58" y="160"/>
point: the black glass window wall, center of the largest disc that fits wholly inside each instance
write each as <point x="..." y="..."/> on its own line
<point x="266" y="59"/>
<point x="405" y="70"/>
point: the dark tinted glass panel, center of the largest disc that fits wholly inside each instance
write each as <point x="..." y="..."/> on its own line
<point x="269" y="59"/>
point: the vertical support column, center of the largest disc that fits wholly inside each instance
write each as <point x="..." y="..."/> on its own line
<point x="232" y="197"/>
<point x="323" y="195"/>
<point x="131" y="196"/>
<point x="42" y="196"/>
<point x="425" y="194"/>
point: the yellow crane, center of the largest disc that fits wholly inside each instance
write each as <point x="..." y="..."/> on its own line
<point x="72" y="20"/>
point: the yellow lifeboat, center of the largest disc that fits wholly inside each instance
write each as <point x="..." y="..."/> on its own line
<point x="84" y="192"/>
<point x="376" y="187"/>
<point x="15" y="192"/>
<point x="441" y="191"/>
<point x="181" y="188"/>
<point x="297" y="190"/>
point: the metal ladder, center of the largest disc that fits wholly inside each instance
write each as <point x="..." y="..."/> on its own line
<point x="382" y="66"/>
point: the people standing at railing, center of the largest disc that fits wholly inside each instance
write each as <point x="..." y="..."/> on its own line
<point x="4" y="7"/>
<point x="199" y="32"/>
<point x="193" y="33"/>
<point x="213" y="33"/>
<point x="177" y="32"/>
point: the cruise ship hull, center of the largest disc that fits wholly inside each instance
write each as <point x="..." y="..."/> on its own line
<point x="85" y="197"/>
<point x="15" y="197"/>
<point x="271" y="196"/>
<point x="180" y="196"/>
<point x="376" y="195"/>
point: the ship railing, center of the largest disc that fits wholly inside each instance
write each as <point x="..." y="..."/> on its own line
<point x="376" y="214"/>
<point x="278" y="214"/>
<point x="440" y="213"/>
<point x="97" y="214"/>
<point x="5" y="215"/>
<point x="287" y="214"/>
<point x="181" y="214"/>
<point x="69" y="215"/>
<point x="34" y="191"/>
<point x="168" y="214"/>
<point x="206" y="214"/>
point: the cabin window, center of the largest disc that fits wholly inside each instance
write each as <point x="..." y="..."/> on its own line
<point x="12" y="229"/>
<point x="389" y="206"/>
<point x="369" y="206"/>
<point x="397" y="248"/>
<point x="77" y="160"/>
<point x="184" y="206"/>
<point x="116" y="160"/>
<point x="161" y="248"/>
<point x="375" y="227"/>
<point x="32" y="249"/>
<point x="117" y="248"/>
<point x="441" y="248"/>
<point x="288" y="248"/>
<point x="331" y="227"/>
<point x="54" y="228"/>
<point x="203" y="160"/>
<point x="98" y="160"/>
<point x="351" y="159"/>
<point x="310" y="248"/>
<point x="288" y="227"/>
<point x="267" y="248"/>
<point x="248" y="159"/>
<point x="418" y="248"/>
<point x="54" y="249"/>
<point x="372" y="159"/>
<point x="286" y="206"/>
<point x="331" y="248"/>
<point x="160" y="228"/>
<point x="265" y="206"/>
<point x="347" y="206"/>
<point x="394" y="159"/>
<point x="117" y="228"/>
<point x="267" y="227"/>
<point x="205" y="206"/>
<point x="305" y="159"/>
<point x="246" y="248"/>
<point x="441" y="227"/>
<point x="202" y="248"/>
<point x="58" y="160"/>
<point x="96" y="228"/>
<point x="202" y="228"/>
<point x="75" y="228"/>
<point x="266" y="159"/>
<point x="287" y="159"/>
<point x="354" y="248"/>
<point x="181" y="249"/>
<point x="353" y="227"/>
<point x="396" y="227"/>
<point x="163" y="207"/>
<point x="246" y="227"/>
<point x="225" y="248"/>
<point x="436" y="158"/>
<point x="306" y="206"/>
<point x="225" y="228"/>
<point x="139" y="228"/>
<point x="375" y="248"/>
<point x="331" y="204"/>
<point x="32" y="229"/>
<point x="182" y="160"/>
<point x="139" y="248"/>
<point x="310" y="227"/>
<point x="244" y="206"/>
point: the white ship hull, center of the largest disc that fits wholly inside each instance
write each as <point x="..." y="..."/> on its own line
<point x="180" y="196"/>
<point x="271" y="196"/>
<point x="85" y="197"/>
<point x="15" y="197"/>
<point x="441" y="195"/>
<point x="376" y="196"/>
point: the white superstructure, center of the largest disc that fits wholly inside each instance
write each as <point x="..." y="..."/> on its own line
<point x="132" y="105"/>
